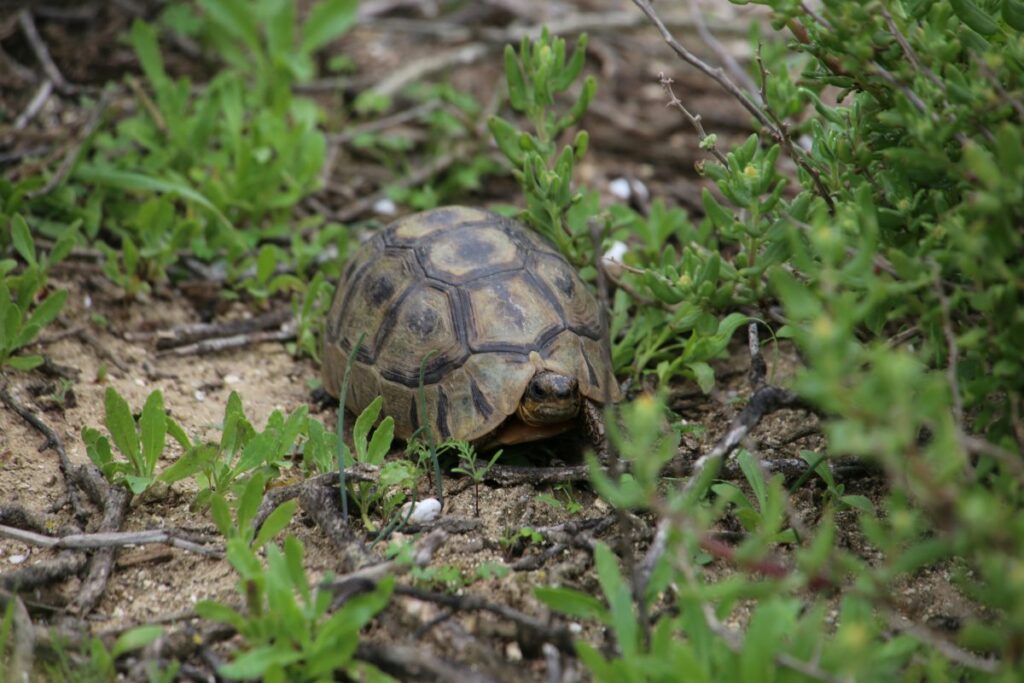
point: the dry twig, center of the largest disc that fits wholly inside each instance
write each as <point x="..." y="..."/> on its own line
<point x="114" y="539"/>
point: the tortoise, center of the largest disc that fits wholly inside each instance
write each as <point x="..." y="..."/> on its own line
<point x="506" y="332"/>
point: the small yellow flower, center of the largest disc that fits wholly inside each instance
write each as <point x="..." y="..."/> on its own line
<point x="823" y="327"/>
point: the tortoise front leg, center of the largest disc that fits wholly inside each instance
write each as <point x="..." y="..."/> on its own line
<point x="593" y="429"/>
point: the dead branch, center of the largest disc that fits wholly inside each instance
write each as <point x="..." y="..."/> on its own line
<point x="44" y="573"/>
<point x="35" y="105"/>
<point x="539" y="631"/>
<point x="407" y="663"/>
<point x="196" y="332"/>
<point x="114" y="539"/>
<point x="102" y="562"/>
<point x="286" y="333"/>
<point x="42" y="53"/>
<point x="71" y="157"/>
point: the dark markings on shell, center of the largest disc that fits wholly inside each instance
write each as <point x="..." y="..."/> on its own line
<point x="590" y="372"/>
<point x="474" y="249"/>
<point x="565" y="284"/>
<point x="389" y="322"/>
<point x="414" y="413"/>
<point x="439" y="217"/>
<point x="523" y="350"/>
<point x="509" y="312"/>
<point x="379" y="289"/>
<point x="480" y="401"/>
<point x="335" y="330"/>
<point x="442" y="414"/>
<point x="422" y="321"/>
<point x="546" y="292"/>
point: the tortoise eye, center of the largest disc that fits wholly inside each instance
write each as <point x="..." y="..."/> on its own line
<point x="537" y="391"/>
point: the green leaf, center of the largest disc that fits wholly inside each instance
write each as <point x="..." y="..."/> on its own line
<point x="22" y="238"/>
<point x="178" y="434"/>
<point x="506" y="136"/>
<point x="221" y="514"/>
<point x="380" y="444"/>
<point x="364" y="422"/>
<point x="249" y="502"/>
<point x="862" y="503"/>
<point x="153" y="425"/>
<point x="135" y="639"/>
<point x="138" y="484"/>
<point x="704" y="374"/>
<point x="620" y="599"/>
<point x="49" y="309"/>
<point x="236" y="18"/>
<point x="215" y="611"/>
<point x="974" y="17"/>
<point x="255" y="662"/>
<point x="571" y="602"/>
<point x="328" y="20"/>
<point x="755" y="477"/>
<point x="138" y="182"/>
<point x="1013" y="13"/>
<point x="188" y="464"/>
<point x="275" y="522"/>
<point x="514" y="78"/>
<point x="143" y="38"/>
<point x="23" y="362"/>
<point x="121" y="426"/>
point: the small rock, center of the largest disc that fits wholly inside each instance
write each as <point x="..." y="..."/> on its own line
<point x="385" y="207"/>
<point x="140" y="382"/>
<point x="612" y="259"/>
<point x="17" y="559"/>
<point x="620" y="188"/>
<point x="232" y="379"/>
<point x="513" y="653"/>
<point x="200" y="395"/>
<point x="426" y="510"/>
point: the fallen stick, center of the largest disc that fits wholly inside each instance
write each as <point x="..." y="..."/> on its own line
<point x="110" y="539"/>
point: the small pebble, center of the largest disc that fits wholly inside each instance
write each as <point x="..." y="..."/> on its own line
<point x="385" y="207"/>
<point x="426" y="510"/>
<point x="139" y="381"/>
<point x="612" y="258"/>
<point x="620" y="188"/>
<point x="232" y="379"/>
<point x="513" y="653"/>
<point x="17" y="559"/>
<point x="87" y="301"/>
<point x="200" y="395"/>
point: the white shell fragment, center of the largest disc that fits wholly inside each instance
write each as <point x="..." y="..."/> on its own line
<point x="612" y="259"/>
<point x="385" y="207"/>
<point x="426" y="510"/>
<point x="620" y="188"/>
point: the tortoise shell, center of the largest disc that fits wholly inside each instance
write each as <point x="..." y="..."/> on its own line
<point x="487" y="302"/>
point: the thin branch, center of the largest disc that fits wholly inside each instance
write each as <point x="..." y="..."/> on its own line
<point x="952" y="353"/>
<point x="35" y="104"/>
<point x="724" y="55"/>
<point x="71" y="157"/>
<point x="110" y="539"/>
<point x="772" y="124"/>
<point x="694" y="119"/>
<point x="42" y="53"/>
<point x="102" y="562"/>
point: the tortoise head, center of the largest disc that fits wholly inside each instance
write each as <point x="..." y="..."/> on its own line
<point x="550" y="397"/>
